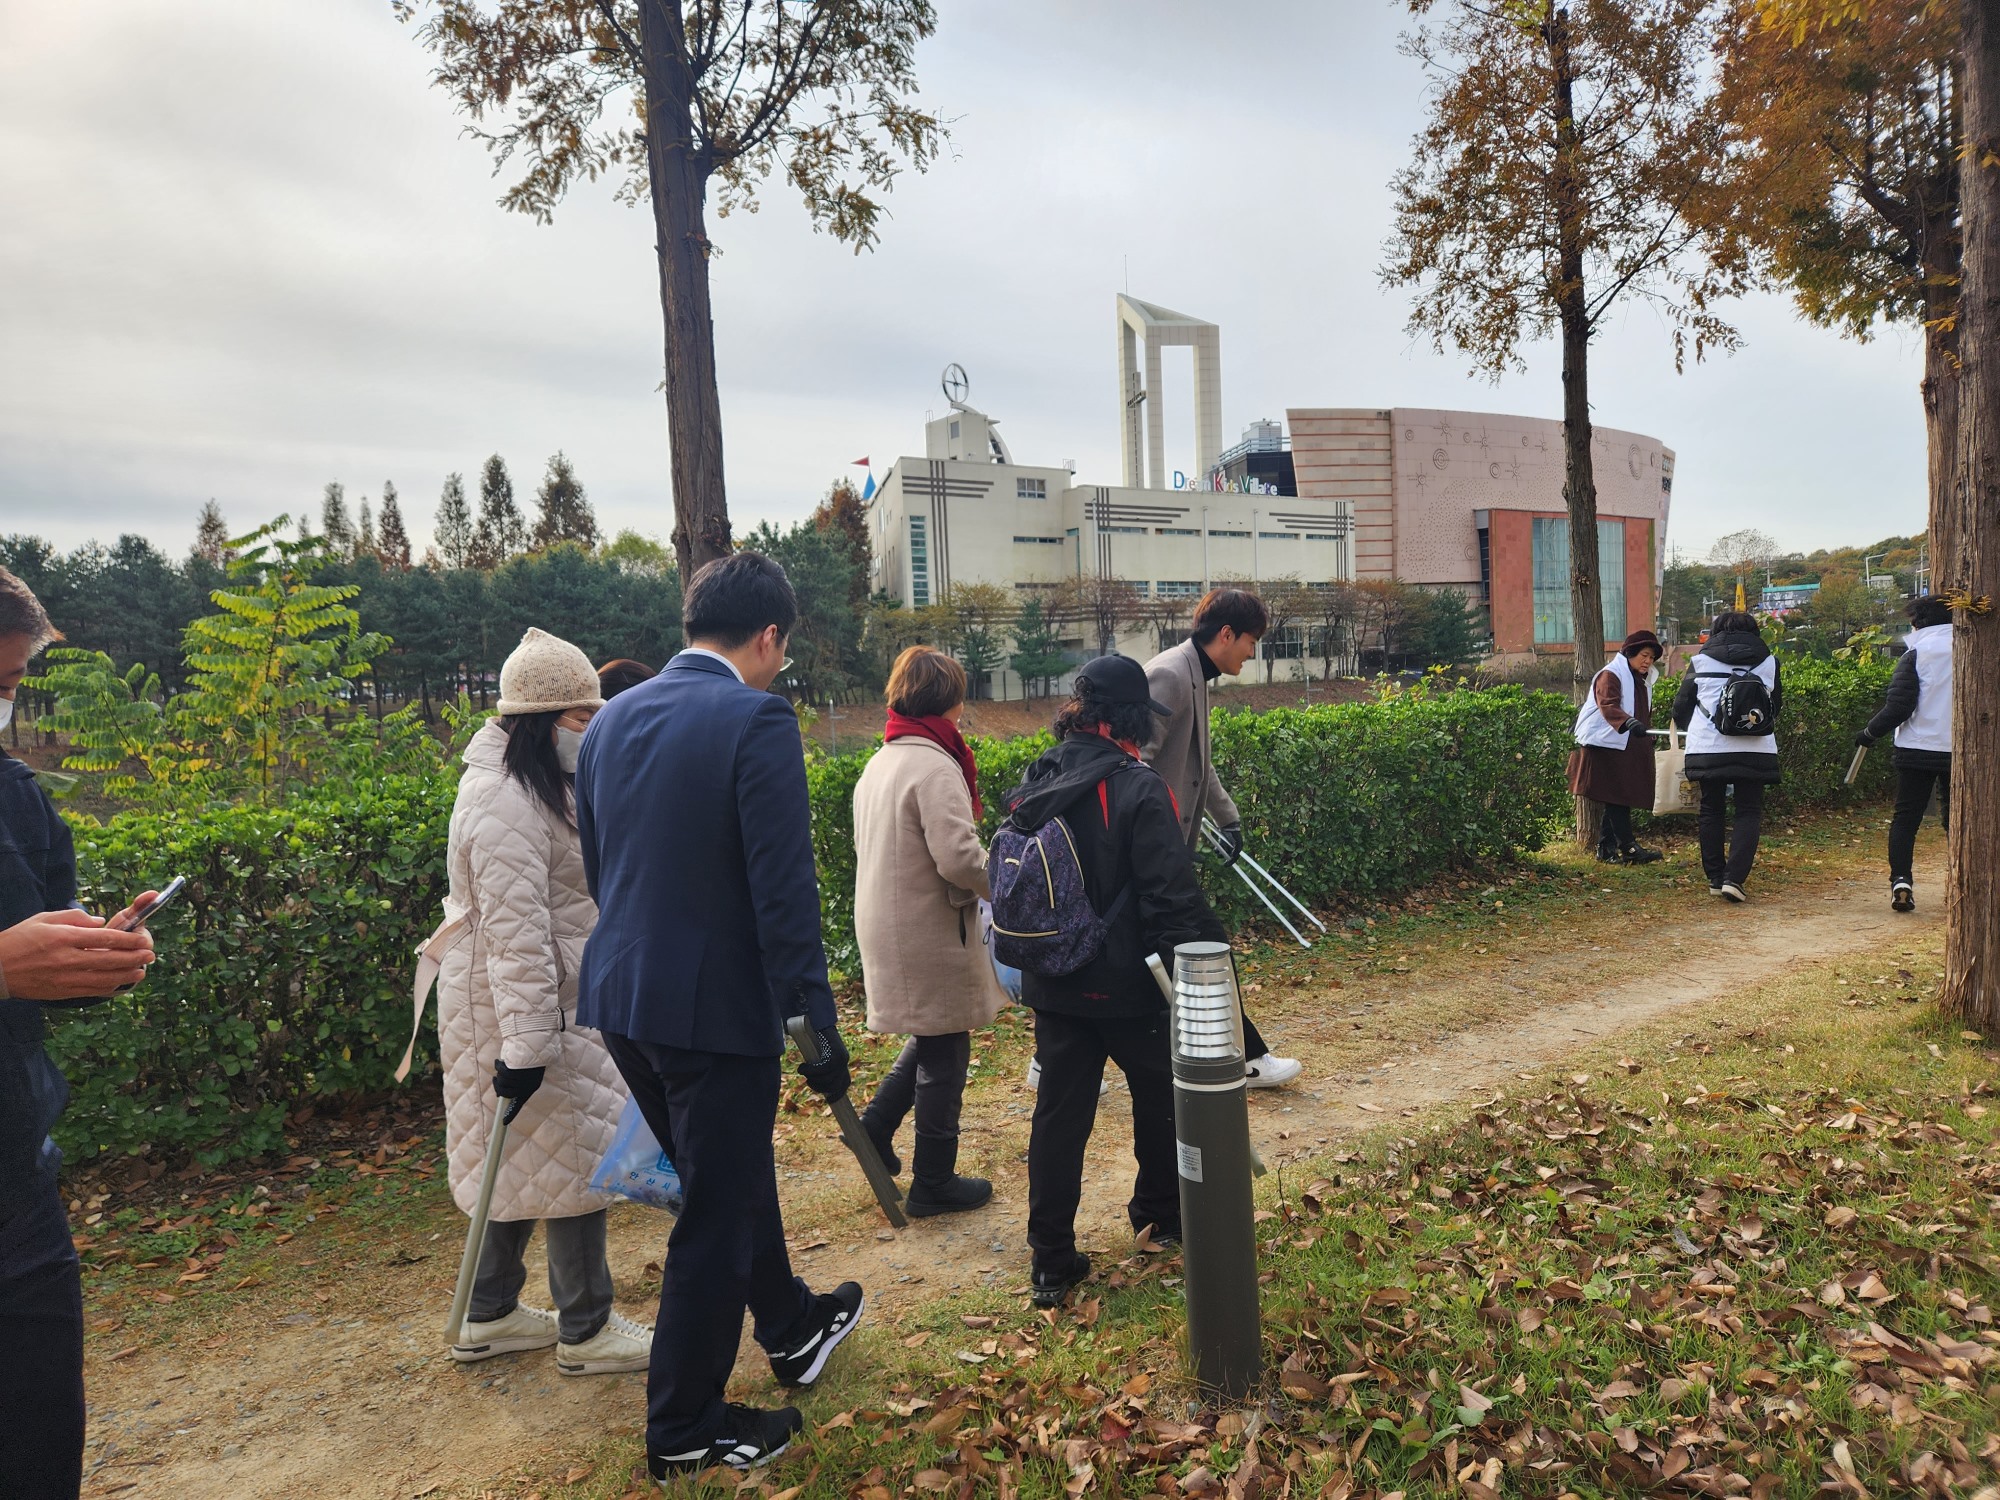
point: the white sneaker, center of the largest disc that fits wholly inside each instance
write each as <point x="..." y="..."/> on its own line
<point x="1271" y="1072"/>
<point x="523" y="1329"/>
<point x="1035" y="1078"/>
<point x="617" y="1348"/>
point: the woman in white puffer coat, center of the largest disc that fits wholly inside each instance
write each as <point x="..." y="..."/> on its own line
<point x="506" y="1002"/>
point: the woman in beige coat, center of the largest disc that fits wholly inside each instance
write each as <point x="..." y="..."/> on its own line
<point x="506" y="995"/>
<point x="921" y="872"/>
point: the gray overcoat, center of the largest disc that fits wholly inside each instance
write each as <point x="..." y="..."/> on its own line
<point x="1179" y="749"/>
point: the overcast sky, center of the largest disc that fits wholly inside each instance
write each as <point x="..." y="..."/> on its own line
<point x="246" y="250"/>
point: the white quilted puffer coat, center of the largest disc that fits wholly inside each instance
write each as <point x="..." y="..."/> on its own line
<point x="508" y="987"/>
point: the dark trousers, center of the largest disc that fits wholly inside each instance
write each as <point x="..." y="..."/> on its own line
<point x="1073" y="1050"/>
<point x="929" y="1075"/>
<point x="1913" y="796"/>
<point x="713" y="1113"/>
<point x="1742" y="835"/>
<point x="41" y="1353"/>
<point x="1614" y="830"/>
<point x="579" y="1273"/>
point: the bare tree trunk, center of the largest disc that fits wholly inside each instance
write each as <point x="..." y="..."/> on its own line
<point x="1965" y="550"/>
<point x="1589" y="822"/>
<point x="678" y="178"/>
<point x="1941" y="404"/>
<point x="1586" y="604"/>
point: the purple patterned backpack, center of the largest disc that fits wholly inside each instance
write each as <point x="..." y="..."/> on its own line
<point x="1043" y="922"/>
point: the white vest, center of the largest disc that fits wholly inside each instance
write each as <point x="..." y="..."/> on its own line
<point x="1929" y="728"/>
<point x="1591" y="727"/>
<point x="1703" y="738"/>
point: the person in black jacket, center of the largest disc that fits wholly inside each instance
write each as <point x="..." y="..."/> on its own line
<point x="1917" y="708"/>
<point x="1721" y="763"/>
<point x="49" y="952"/>
<point x="1127" y="833"/>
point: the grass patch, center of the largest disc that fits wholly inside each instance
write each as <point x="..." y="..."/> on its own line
<point x="1749" y="1253"/>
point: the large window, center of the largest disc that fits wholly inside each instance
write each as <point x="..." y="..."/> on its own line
<point x="1031" y="489"/>
<point x="1553" y="625"/>
<point x="920" y="563"/>
<point x="1040" y="541"/>
<point x="1178" y="588"/>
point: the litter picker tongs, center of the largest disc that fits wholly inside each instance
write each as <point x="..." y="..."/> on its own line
<point x="1214" y="836"/>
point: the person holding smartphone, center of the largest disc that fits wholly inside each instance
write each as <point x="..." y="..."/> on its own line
<point x="50" y="953"/>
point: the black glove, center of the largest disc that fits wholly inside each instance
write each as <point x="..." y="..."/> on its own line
<point x="828" y="1077"/>
<point x="518" y="1084"/>
<point x="1633" y="726"/>
<point x="1232" y="843"/>
<point x="1864" y="739"/>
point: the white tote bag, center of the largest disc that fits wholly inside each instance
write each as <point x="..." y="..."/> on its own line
<point x="1672" y="791"/>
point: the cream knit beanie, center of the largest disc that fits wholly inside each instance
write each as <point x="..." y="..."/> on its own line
<point x="546" y="673"/>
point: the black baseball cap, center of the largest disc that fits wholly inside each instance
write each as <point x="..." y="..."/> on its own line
<point x="1119" y="679"/>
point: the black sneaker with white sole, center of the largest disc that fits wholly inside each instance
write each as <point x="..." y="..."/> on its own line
<point x="749" y="1437"/>
<point x="839" y="1313"/>
<point x="1051" y="1285"/>
<point x="1902" y="896"/>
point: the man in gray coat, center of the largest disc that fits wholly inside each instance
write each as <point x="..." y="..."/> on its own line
<point x="1228" y="623"/>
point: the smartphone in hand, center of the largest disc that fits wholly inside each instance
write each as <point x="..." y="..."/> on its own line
<point x="152" y="908"/>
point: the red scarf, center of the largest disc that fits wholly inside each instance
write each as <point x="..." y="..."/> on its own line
<point x="941" y="732"/>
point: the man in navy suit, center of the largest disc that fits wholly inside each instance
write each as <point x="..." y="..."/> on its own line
<point x="697" y="840"/>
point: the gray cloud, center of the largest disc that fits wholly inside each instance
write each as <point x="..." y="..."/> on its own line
<point x="248" y="251"/>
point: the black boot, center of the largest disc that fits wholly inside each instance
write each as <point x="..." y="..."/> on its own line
<point x="1634" y="855"/>
<point x="883" y="1134"/>
<point x="935" y="1186"/>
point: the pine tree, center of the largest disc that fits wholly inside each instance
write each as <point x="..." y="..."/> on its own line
<point x="501" y="532"/>
<point x="1038" y="655"/>
<point x="364" y="531"/>
<point x="335" y="529"/>
<point x="211" y="536"/>
<point x="566" y="515"/>
<point x="453" y="528"/>
<point x="394" y="544"/>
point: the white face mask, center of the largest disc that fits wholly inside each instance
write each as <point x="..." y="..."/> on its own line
<point x="6" y="711"/>
<point x="569" y="745"/>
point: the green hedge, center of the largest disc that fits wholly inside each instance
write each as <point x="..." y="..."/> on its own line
<point x="284" y="975"/>
<point x="284" y="978"/>
<point x="1374" y="797"/>
<point x="1825" y="703"/>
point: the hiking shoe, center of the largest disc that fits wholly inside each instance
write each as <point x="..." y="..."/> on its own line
<point x="1271" y="1072"/>
<point x="524" y="1329"/>
<point x="749" y="1438"/>
<point x="1637" y="856"/>
<point x="1035" y="1078"/>
<point x="617" y="1348"/>
<point x="952" y="1196"/>
<point x="1051" y="1287"/>
<point x="1903" y="896"/>
<point x="1731" y="891"/>
<point x="838" y="1314"/>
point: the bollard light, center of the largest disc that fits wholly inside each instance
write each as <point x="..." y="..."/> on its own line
<point x="1212" y="1134"/>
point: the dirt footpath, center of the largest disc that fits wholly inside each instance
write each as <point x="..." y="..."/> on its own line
<point x="353" y="1394"/>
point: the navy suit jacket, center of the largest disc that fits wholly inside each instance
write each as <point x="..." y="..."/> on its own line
<point x="697" y="842"/>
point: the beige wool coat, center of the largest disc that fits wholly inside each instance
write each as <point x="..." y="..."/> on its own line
<point x="1179" y="748"/>
<point x="920" y="872"/>
<point x="508" y="988"/>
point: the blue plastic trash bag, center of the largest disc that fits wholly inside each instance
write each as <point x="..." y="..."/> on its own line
<point x="635" y="1167"/>
<point x="1007" y="974"/>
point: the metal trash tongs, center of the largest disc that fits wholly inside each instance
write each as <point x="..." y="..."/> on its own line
<point x="1243" y="858"/>
<point x="872" y="1165"/>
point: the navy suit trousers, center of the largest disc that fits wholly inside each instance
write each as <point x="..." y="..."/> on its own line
<point x="713" y="1113"/>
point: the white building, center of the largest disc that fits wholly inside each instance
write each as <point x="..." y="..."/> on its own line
<point x="967" y="513"/>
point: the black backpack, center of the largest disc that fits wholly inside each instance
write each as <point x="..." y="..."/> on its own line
<point x="1743" y="707"/>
